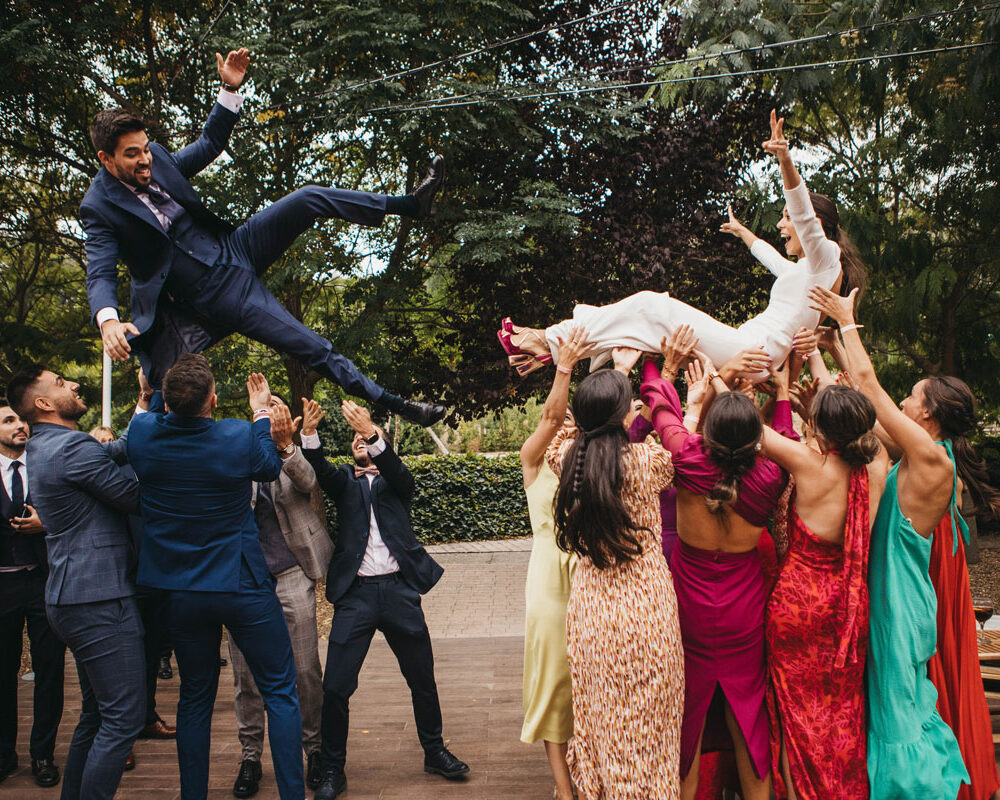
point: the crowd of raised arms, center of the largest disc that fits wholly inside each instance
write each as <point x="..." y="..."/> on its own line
<point x="710" y="579"/>
<point x="704" y="579"/>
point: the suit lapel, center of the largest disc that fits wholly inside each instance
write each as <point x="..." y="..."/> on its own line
<point x="125" y="199"/>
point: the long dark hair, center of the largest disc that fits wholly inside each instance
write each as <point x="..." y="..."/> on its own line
<point x="731" y="435"/>
<point x="590" y="517"/>
<point x="950" y="402"/>
<point x="855" y="271"/>
<point x="845" y="418"/>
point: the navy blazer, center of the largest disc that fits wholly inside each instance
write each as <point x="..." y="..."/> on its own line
<point x="196" y="475"/>
<point x="389" y="496"/>
<point x="83" y="499"/>
<point x="120" y="227"/>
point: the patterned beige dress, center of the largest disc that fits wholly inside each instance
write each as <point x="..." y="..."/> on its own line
<point x="625" y="652"/>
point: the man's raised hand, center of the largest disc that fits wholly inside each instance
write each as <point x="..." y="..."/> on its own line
<point x="233" y="69"/>
<point x="113" y="334"/>
<point x="259" y="392"/>
<point x="312" y="415"/>
<point x="283" y="427"/>
<point x="358" y="418"/>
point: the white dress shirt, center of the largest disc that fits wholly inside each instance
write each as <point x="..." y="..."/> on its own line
<point x="377" y="559"/>
<point x="231" y="100"/>
<point x="7" y="474"/>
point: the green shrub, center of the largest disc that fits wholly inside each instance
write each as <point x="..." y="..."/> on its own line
<point x="462" y="498"/>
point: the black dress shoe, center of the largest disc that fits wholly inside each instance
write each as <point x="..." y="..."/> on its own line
<point x="429" y="187"/>
<point x="8" y="764"/>
<point x="334" y="783"/>
<point x="46" y="773"/>
<point x="424" y="414"/>
<point x="165" y="672"/>
<point x="248" y="781"/>
<point x="314" y="770"/>
<point x="129" y="762"/>
<point x="444" y="763"/>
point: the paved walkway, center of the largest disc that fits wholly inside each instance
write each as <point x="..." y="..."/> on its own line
<point x="476" y="617"/>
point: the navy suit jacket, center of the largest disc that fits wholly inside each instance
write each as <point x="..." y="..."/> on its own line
<point x="389" y="496"/>
<point x="196" y="476"/>
<point x="120" y="227"/>
<point x="83" y="499"/>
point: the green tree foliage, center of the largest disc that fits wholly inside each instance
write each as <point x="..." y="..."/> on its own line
<point x="549" y="201"/>
<point x="909" y="147"/>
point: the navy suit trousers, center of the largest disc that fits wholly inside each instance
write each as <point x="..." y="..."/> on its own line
<point x="230" y="296"/>
<point x="388" y="604"/>
<point x="256" y="623"/>
<point x="106" y="638"/>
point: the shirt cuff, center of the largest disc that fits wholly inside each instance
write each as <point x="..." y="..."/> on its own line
<point x="140" y="410"/>
<point x="102" y="316"/>
<point x="378" y="448"/>
<point x="230" y="100"/>
<point x="310" y="441"/>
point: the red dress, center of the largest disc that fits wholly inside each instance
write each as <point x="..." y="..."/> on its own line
<point x="817" y="637"/>
<point x="954" y="669"/>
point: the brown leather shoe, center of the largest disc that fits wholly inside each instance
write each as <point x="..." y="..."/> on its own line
<point x="158" y="730"/>
<point x="130" y="762"/>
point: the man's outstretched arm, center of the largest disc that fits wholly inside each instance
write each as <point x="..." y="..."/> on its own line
<point x="193" y="158"/>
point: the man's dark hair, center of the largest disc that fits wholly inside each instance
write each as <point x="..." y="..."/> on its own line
<point x="109" y="125"/>
<point x="19" y="390"/>
<point x="188" y="384"/>
<point x="280" y="397"/>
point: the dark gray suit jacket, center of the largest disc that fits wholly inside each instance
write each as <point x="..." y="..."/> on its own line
<point x="83" y="500"/>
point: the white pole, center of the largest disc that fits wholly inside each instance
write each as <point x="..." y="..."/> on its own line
<point x="106" y="393"/>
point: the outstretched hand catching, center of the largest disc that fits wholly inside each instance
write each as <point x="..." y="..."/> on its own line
<point x="624" y="358"/>
<point x="677" y="349"/>
<point x="841" y="309"/>
<point x="233" y="69"/>
<point x="358" y="418"/>
<point x="114" y="336"/>
<point x="574" y="349"/>
<point x="259" y="392"/>
<point x="283" y="427"/>
<point x="312" y="415"/>
<point x="745" y="364"/>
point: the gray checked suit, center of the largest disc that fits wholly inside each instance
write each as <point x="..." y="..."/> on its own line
<point x="83" y="500"/>
<point x="305" y="535"/>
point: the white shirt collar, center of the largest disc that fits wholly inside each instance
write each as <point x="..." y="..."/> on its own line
<point x="5" y="462"/>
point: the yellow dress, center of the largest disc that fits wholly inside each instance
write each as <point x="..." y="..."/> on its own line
<point x="625" y="652"/>
<point x="548" y="698"/>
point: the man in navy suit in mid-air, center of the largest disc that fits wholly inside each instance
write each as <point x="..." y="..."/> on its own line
<point x="196" y="278"/>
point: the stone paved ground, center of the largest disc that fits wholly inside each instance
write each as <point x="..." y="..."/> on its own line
<point x="476" y="617"/>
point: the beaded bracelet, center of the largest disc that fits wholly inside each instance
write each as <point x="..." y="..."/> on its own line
<point x="563" y="369"/>
<point x="851" y="327"/>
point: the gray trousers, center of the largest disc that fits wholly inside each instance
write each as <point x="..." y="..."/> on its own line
<point x="297" y="594"/>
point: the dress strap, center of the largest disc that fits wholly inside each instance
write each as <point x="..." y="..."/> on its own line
<point x="857" y="534"/>
<point x="957" y="522"/>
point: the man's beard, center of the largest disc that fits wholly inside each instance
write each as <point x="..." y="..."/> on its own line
<point x="363" y="461"/>
<point x="13" y="444"/>
<point x="71" y="410"/>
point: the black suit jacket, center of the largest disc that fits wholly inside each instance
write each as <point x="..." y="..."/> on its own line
<point x="389" y="497"/>
<point x="35" y="541"/>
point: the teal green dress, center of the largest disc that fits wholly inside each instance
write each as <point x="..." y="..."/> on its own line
<point x="912" y="753"/>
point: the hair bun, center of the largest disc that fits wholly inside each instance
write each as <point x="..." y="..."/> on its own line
<point x="860" y="451"/>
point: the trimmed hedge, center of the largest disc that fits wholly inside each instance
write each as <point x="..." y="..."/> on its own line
<point x="462" y="498"/>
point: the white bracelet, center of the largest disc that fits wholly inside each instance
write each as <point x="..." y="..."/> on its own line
<point x="851" y="327"/>
<point x="813" y="353"/>
<point x="691" y="418"/>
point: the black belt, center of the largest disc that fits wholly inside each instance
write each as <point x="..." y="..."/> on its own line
<point x="387" y="578"/>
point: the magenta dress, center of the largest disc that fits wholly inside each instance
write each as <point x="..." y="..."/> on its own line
<point x="720" y="596"/>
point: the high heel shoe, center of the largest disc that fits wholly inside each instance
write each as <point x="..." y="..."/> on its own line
<point x="525" y="363"/>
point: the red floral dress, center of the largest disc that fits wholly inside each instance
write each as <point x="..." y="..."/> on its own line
<point x="817" y="637"/>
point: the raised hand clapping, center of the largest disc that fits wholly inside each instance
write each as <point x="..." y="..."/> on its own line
<point x="233" y="69"/>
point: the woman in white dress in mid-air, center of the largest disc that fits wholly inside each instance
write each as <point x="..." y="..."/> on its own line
<point x="811" y="229"/>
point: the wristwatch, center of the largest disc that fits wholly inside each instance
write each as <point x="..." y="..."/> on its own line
<point x="230" y="87"/>
<point x="370" y="440"/>
<point x="288" y="450"/>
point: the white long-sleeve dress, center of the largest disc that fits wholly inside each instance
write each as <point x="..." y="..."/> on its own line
<point x="642" y="320"/>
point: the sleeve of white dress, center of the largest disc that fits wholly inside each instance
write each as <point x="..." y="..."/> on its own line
<point x="770" y="258"/>
<point x="822" y="254"/>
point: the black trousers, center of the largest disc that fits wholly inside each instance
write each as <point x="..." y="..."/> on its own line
<point x="153" y="613"/>
<point x="388" y="604"/>
<point x="22" y="601"/>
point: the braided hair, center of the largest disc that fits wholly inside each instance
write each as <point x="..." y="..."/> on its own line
<point x="590" y="517"/>
<point x="731" y="437"/>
